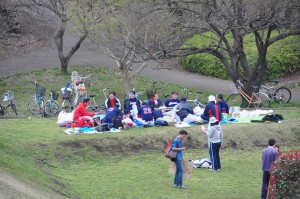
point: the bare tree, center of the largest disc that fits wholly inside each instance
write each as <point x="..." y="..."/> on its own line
<point x="73" y="13"/>
<point x="131" y="35"/>
<point x="268" y="20"/>
<point x="21" y="29"/>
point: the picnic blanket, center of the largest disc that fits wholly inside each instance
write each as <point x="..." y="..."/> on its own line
<point x="86" y="130"/>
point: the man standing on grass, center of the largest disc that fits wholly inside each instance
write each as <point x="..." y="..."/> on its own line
<point x="269" y="155"/>
<point x="177" y="146"/>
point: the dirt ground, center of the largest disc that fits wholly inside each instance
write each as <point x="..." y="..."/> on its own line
<point x="11" y="187"/>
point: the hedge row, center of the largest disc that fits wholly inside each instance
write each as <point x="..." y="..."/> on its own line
<point x="283" y="57"/>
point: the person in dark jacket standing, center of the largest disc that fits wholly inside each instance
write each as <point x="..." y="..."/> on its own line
<point x="269" y="155"/>
<point x="132" y="100"/>
<point x="222" y="103"/>
<point x="177" y="146"/>
<point x="112" y="101"/>
<point x="212" y="109"/>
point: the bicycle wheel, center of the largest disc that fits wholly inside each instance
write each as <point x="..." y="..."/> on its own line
<point x="14" y="108"/>
<point x="235" y="100"/>
<point x="66" y="106"/>
<point x="282" y="95"/>
<point x="51" y="108"/>
<point x="263" y="100"/>
<point x="36" y="106"/>
<point x="2" y="110"/>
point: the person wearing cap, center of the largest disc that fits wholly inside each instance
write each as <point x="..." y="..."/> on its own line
<point x="111" y="114"/>
<point x="132" y="100"/>
<point x="173" y="101"/>
<point x="184" y="109"/>
<point x="112" y="101"/>
<point x="269" y="155"/>
<point x="215" y="139"/>
<point x="222" y="103"/>
<point x="212" y="109"/>
<point x="81" y="110"/>
<point x="145" y="112"/>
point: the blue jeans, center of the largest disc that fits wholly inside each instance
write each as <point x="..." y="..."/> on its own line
<point x="265" y="184"/>
<point x="214" y="149"/>
<point x="179" y="173"/>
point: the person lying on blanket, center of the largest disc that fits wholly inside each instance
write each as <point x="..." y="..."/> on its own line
<point x="81" y="111"/>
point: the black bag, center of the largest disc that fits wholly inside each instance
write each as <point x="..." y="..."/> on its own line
<point x="272" y="118"/>
<point x="117" y="123"/>
<point x="102" y="127"/>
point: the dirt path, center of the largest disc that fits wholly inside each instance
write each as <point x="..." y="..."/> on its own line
<point x="11" y="187"/>
<point x="47" y="57"/>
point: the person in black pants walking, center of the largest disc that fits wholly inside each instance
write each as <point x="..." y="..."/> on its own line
<point x="215" y="139"/>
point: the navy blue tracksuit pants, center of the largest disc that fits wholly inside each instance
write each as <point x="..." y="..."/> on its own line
<point x="214" y="149"/>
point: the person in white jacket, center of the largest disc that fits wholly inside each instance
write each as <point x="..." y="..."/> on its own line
<point x="215" y="139"/>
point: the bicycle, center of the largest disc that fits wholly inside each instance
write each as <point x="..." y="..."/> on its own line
<point x="51" y="106"/>
<point x="195" y="102"/>
<point x="37" y="102"/>
<point x="67" y="105"/>
<point x="9" y="96"/>
<point x="98" y="108"/>
<point x="239" y="96"/>
<point x="279" y="94"/>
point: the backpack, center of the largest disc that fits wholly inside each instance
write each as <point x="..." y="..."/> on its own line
<point x="102" y="127"/>
<point x="117" y="123"/>
<point x="169" y="153"/>
<point x="201" y="163"/>
<point x="272" y="118"/>
<point x="84" y="122"/>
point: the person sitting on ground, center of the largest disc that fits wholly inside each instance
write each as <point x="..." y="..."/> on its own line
<point x="184" y="109"/>
<point x="222" y="103"/>
<point x="112" y="101"/>
<point x="173" y="101"/>
<point x="132" y="100"/>
<point x="154" y="102"/>
<point x="81" y="110"/>
<point x="110" y="114"/>
<point x="145" y="112"/>
<point x="212" y="109"/>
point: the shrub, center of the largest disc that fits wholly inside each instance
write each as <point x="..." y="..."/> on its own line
<point x="283" y="57"/>
<point x="285" y="176"/>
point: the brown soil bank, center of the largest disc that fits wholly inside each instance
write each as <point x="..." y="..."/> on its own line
<point x="236" y="136"/>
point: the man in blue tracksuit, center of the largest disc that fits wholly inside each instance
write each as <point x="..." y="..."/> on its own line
<point x="173" y="101"/>
<point x="132" y="100"/>
<point x="177" y="146"/>
<point x="222" y="103"/>
<point x="145" y="112"/>
<point x="212" y="109"/>
<point x="110" y="114"/>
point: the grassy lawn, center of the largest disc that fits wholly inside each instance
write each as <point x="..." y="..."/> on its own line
<point x="130" y="164"/>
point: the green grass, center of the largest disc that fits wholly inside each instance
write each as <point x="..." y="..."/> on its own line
<point x="23" y="85"/>
<point x="130" y="164"/>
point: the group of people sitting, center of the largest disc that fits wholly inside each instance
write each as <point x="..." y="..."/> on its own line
<point x="153" y="111"/>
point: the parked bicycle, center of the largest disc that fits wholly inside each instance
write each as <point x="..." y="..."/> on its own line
<point x="67" y="94"/>
<point x="239" y="96"/>
<point x="280" y="95"/>
<point x="37" y="102"/>
<point x="94" y="106"/>
<point x="9" y="96"/>
<point x="195" y="102"/>
<point x="51" y="106"/>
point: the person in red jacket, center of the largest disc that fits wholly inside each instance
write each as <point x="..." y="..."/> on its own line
<point x="81" y="110"/>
